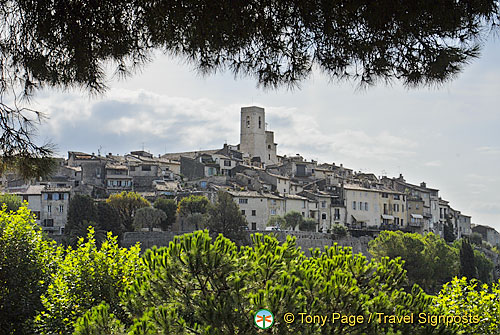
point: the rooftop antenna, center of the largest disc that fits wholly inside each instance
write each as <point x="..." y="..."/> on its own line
<point x="99" y="150"/>
<point x="142" y="146"/>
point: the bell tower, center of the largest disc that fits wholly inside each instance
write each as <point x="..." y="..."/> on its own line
<point x="254" y="139"/>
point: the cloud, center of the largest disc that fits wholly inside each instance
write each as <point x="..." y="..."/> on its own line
<point x="433" y="164"/>
<point x="489" y="208"/>
<point x="297" y="131"/>
<point x="123" y="120"/>
<point x="487" y="150"/>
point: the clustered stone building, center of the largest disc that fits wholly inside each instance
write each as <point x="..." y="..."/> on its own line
<point x="260" y="181"/>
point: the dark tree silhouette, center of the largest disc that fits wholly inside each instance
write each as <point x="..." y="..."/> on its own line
<point x="67" y="44"/>
<point x="467" y="261"/>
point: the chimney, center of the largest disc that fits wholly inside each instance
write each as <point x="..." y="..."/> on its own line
<point x="423" y="184"/>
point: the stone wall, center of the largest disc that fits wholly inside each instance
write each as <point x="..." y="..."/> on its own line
<point x="305" y="240"/>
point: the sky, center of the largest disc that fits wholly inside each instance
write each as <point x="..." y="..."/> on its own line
<point x="447" y="136"/>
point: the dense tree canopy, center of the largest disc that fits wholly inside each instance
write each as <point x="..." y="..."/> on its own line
<point x="202" y="286"/>
<point x="225" y="217"/>
<point x="64" y="44"/>
<point x="126" y="204"/>
<point x="11" y="202"/>
<point x="169" y="207"/>
<point x="430" y="262"/>
<point x="148" y="217"/>
<point x="81" y="209"/>
<point x="193" y="204"/>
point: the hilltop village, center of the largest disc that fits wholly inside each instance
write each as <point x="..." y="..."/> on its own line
<point x="263" y="184"/>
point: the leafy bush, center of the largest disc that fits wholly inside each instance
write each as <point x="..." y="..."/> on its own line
<point x="339" y="230"/>
<point x="86" y="276"/>
<point x="26" y="263"/>
<point x="308" y="225"/>
<point x="468" y="298"/>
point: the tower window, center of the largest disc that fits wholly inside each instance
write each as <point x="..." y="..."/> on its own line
<point x="260" y="123"/>
<point x="248" y="121"/>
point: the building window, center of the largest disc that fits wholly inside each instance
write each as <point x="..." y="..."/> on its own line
<point x="354" y="205"/>
<point x="385" y="208"/>
<point x="323" y="216"/>
<point x="366" y="206"/>
<point x="416" y="206"/>
<point x="273" y="212"/>
<point x="242" y="212"/>
<point x="49" y="208"/>
<point x="61" y="208"/>
<point x="396" y="196"/>
<point x="260" y="122"/>
<point x="48" y="223"/>
<point x="254" y="212"/>
<point x="227" y="163"/>
<point x="243" y="201"/>
<point x="360" y="206"/>
<point x="273" y="201"/>
<point x="337" y="214"/>
<point x="248" y="121"/>
<point x="254" y="226"/>
<point x="323" y="204"/>
<point x="385" y="195"/>
<point x="47" y="196"/>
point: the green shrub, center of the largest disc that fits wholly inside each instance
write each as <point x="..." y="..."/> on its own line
<point x="87" y="276"/>
<point x="26" y="264"/>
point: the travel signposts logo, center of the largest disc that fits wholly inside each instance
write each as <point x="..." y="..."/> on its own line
<point x="263" y="319"/>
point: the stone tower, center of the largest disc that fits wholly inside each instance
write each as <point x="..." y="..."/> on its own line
<point x="254" y="139"/>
